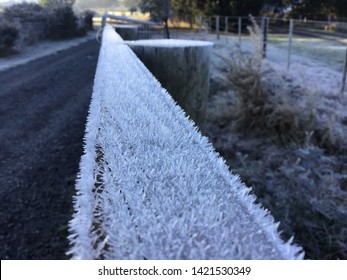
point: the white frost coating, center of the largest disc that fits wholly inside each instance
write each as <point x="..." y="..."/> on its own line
<point x="151" y="186"/>
<point x="167" y="43"/>
<point x="125" y="26"/>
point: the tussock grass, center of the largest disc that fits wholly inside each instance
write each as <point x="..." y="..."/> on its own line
<point x="286" y="141"/>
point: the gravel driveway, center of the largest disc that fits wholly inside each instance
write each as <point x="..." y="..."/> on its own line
<point x="43" y="110"/>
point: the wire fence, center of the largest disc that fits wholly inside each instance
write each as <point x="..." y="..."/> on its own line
<point x="322" y="41"/>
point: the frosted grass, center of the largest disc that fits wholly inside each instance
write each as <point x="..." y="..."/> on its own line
<point x="151" y="186"/>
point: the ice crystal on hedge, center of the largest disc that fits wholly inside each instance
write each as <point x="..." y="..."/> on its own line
<point x="151" y="186"/>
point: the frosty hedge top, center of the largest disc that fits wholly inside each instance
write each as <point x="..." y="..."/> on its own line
<point x="151" y="186"/>
<point x="167" y="43"/>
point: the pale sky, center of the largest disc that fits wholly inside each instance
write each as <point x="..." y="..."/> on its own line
<point x="16" y="1"/>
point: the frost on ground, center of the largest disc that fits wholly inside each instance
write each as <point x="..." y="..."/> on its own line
<point x="304" y="186"/>
<point x="40" y="49"/>
<point x="293" y="152"/>
<point x="151" y="186"/>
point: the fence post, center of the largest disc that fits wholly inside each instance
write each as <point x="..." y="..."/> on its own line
<point x="191" y="22"/>
<point x="182" y="67"/>
<point x="217" y="27"/>
<point x="344" y="75"/>
<point x="291" y="29"/>
<point x="200" y="23"/>
<point x="240" y="29"/>
<point x="104" y="19"/>
<point x="226" y="25"/>
<point x="264" y="25"/>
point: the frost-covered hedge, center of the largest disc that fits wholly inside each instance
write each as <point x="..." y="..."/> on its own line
<point x="34" y="22"/>
<point x="151" y="186"/>
<point x="9" y="32"/>
<point x="25" y="11"/>
<point x="62" y="23"/>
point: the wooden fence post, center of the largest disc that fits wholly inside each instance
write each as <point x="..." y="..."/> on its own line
<point x="239" y="29"/>
<point x="265" y="25"/>
<point x="291" y="29"/>
<point x="226" y="23"/>
<point x="344" y="75"/>
<point x="182" y="67"/>
<point x="200" y="23"/>
<point x="127" y="32"/>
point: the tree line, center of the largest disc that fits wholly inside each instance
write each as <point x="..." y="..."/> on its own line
<point x="161" y="9"/>
<point x="291" y="8"/>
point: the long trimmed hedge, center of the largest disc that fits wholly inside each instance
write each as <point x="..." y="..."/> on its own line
<point x="151" y="186"/>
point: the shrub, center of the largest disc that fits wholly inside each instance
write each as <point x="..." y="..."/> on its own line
<point x="31" y="18"/>
<point x="9" y="32"/>
<point x="267" y="104"/>
<point x="246" y="76"/>
<point x="25" y="11"/>
<point x="62" y="23"/>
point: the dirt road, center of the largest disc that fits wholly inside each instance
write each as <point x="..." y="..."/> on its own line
<point x="43" y="110"/>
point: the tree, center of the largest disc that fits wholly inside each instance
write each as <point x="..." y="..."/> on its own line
<point x="159" y="10"/>
<point x="247" y="7"/>
<point x="276" y="6"/>
<point x="185" y="8"/>
<point x="341" y="8"/>
<point x="230" y="7"/>
<point x="319" y="8"/>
